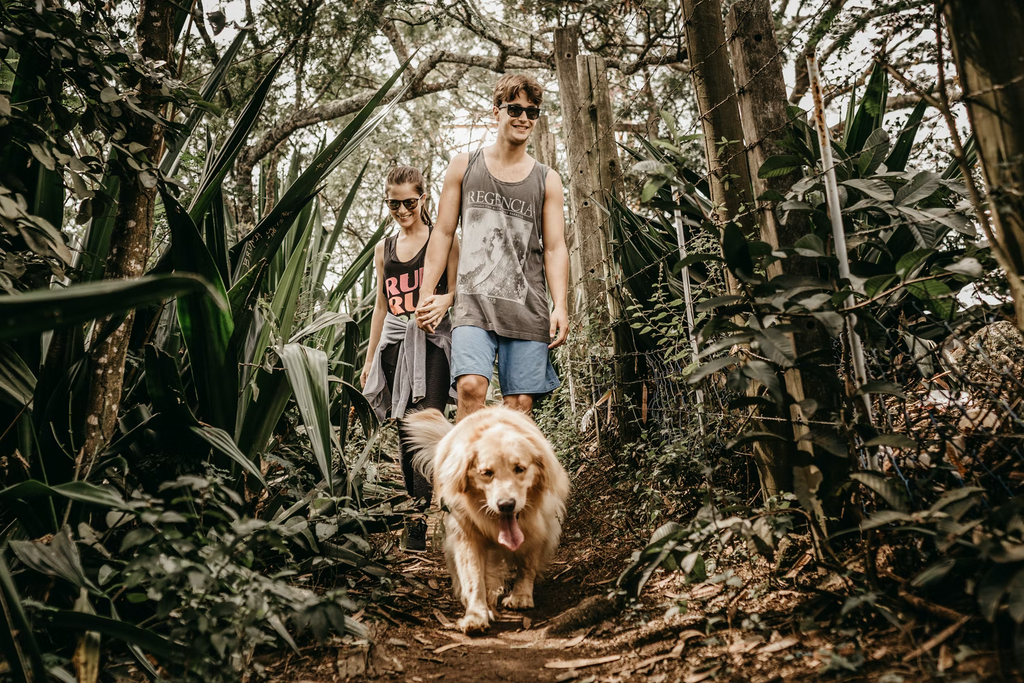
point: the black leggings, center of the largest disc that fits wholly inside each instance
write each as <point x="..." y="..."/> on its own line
<point x="438" y="384"/>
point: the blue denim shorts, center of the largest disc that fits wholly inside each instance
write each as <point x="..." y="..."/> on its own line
<point x="523" y="365"/>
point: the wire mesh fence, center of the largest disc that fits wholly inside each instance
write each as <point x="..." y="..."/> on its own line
<point x="955" y="394"/>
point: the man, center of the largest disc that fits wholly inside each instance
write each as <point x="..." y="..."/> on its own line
<point x="513" y="255"/>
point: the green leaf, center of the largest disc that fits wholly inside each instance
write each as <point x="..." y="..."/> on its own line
<point x="909" y="263"/>
<point x="17" y="638"/>
<point x="205" y="327"/>
<point x="992" y="588"/>
<point x="17" y="383"/>
<point x="147" y="639"/>
<point x="306" y="369"/>
<point x="875" y="149"/>
<point x="172" y="155"/>
<point x="876" y="189"/>
<point x="265" y="239"/>
<point x="934" y="573"/>
<point x="713" y="366"/>
<point x="220" y="440"/>
<point x="968" y="266"/>
<point x="101" y="226"/>
<point x="883" y="517"/>
<point x="752" y="437"/>
<point x="57" y="558"/>
<point x="651" y="188"/>
<point x="900" y="154"/>
<point x="237" y="138"/>
<point x="339" y="225"/>
<point x="882" y="387"/>
<point x="78" y="491"/>
<point x="780" y="165"/>
<point x="765" y="374"/>
<point x="937" y="294"/>
<point x="870" y="112"/>
<point x="921" y="186"/>
<point x="810" y="245"/>
<point x="882" y="486"/>
<point x="34" y="312"/>
<point x="1016" y="602"/>
<point x="877" y="283"/>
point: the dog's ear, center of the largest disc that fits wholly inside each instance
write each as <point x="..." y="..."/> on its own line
<point x="453" y="472"/>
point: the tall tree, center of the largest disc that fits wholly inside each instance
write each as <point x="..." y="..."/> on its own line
<point x="133" y="224"/>
<point x="989" y="54"/>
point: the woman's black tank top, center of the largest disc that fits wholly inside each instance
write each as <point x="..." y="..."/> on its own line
<point x="402" y="279"/>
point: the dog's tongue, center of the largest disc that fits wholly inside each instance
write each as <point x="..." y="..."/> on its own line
<point x="509" y="534"/>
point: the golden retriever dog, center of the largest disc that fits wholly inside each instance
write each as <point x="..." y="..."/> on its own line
<point x="505" y="491"/>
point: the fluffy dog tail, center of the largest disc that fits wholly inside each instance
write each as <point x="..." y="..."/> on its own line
<point x="424" y="430"/>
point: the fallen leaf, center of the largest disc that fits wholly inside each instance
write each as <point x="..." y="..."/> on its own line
<point x="423" y="641"/>
<point x="580" y="663"/>
<point x="574" y="641"/>
<point x="445" y="648"/>
<point x="742" y="646"/>
<point x="527" y="621"/>
<point x="432" y="584"/>
<point x="444" y="620"/>
<point x="779" y="645"/>
<point x="698" y="676"/>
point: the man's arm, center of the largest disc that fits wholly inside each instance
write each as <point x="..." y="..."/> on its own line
<point x="556" y="257"/>
<point x="448" y="208"/>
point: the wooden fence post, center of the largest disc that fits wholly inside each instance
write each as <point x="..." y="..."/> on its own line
<point x="584" y="221"/>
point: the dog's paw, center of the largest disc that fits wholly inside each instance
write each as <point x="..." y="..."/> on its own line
<point x="473" y="623"/>
<point x="518" y="601"/>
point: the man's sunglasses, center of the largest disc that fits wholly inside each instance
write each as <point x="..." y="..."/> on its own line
<point x="410" y="204"/>
<point x="515" y="110"/>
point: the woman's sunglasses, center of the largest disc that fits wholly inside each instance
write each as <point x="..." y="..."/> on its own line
<point x="409" y="204"/>
<point x="515" y="110"/>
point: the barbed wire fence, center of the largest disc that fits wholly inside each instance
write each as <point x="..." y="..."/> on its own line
<point x="963" y="400"/>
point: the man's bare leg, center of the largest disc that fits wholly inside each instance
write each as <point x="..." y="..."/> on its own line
<point x="472" y="390"/>
<point x="520" y="402"/>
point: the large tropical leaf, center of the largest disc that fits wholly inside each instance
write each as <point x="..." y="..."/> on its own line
<point x="17" y="640"/>
<point x="41" y="310"/>
<point x="306" y="369"/>
<point x="17" y="383"/>
<point x="237" y="138"/>
<point x="332" y="238"/>
<point x="266" y="237"/>
<point x="900" y="154"/>
<point x="870" y="112"/>
<point x="205" y="327"/>
<point x="93" y="257"/>
<point x="172" y="155"/>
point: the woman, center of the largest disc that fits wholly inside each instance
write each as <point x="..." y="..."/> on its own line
<point x="406" y="368"/>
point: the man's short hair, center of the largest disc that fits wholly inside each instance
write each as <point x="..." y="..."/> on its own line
<point x="509" y="86"/>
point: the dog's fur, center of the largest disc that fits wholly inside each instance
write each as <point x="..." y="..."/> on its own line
<point x="505" y="491"/>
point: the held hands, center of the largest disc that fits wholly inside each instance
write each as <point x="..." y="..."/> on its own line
<point x="432" y="309"/>
<point x="559" y="327"/>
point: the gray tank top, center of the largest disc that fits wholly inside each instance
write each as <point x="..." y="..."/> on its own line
<point x="501" y="285"/>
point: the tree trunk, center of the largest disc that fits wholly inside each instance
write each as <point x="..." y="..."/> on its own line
<point x="130" y="239"/>
<point x="989" y="54"/>
<point x="584" y="220"/>
<point x="763" y="110"/>
<point x="728" y="174"/>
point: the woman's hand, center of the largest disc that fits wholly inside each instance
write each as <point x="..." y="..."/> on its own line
<point x="432" y="310"/>
<point x="365" y="375"/>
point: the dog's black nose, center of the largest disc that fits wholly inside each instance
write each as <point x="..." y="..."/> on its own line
<point x="506" y="506"/>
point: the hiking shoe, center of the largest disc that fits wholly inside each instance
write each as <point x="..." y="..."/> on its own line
<point x="416" y="536"/>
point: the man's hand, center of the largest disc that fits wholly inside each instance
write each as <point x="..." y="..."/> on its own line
<point x="559" y="327"/>
<point x="432" y="309"/>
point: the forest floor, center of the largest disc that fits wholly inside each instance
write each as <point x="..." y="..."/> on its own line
<point x="761" y="625"/>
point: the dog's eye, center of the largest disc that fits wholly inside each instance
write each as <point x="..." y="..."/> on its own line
<point x="487" y="473"/>
<point x="520" y="469"/>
